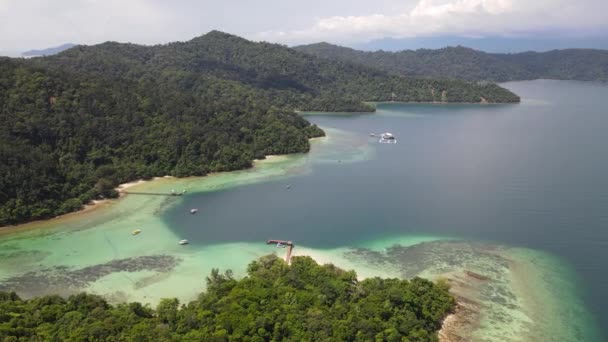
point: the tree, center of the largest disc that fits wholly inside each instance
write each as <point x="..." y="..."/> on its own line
<point x="105" y="189"/>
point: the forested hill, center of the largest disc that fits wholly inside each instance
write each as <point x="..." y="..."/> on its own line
<point x="468" y="64"/>
<point x="76" y="124"/>
<point x="284" y="76"/>
<point x="275" y="302"/>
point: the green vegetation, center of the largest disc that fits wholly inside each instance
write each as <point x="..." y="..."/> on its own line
<point x="66" y="140"/>
<point x="78" y="123"/>
<point x="468" y="64"/>
<point x="275" y="302"/>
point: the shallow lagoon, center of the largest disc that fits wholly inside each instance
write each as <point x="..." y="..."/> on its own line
<point x="512" y="194"/>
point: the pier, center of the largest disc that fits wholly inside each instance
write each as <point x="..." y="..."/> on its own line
<point x="172" y="193"/>
<point x="151" y="193"/>
<point x="283" y="244"/>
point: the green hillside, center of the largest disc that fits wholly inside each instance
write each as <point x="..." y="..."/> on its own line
<point x="468" y="64"/>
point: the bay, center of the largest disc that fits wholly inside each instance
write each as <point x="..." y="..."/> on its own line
<point x="517" y="193"/>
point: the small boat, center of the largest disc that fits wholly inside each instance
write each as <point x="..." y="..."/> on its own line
<point x="183" y="242"/>
<point x="288" y="186"/>
<point x="372" y="135"/>
<point x="193" y="211"/>
<point x="387" y="136"/>
<point x="136" y="231"/>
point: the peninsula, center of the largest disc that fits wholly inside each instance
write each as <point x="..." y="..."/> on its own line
<point x="77" y="124"/>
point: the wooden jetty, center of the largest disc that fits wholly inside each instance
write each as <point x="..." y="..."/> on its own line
<point x="172" y="193"/>
<point x="283" y="243"/>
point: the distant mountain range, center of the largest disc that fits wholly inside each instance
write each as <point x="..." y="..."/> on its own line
<point x="468" y="64"/>
<point x="47" y="52"/>
<point x="492" y="44"/>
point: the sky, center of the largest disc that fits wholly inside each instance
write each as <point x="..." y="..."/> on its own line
<point x="32" y="24"/>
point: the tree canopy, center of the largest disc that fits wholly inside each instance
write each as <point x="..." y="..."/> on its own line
<point x="274" y="302"/>
<point x="468" y="64"/>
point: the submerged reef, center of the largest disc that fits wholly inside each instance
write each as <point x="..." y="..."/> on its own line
<point x="503" y="294"/>
<point x="64" y="281"/>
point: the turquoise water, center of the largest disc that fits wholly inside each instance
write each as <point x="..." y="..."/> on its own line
<point x="513" y="193"/>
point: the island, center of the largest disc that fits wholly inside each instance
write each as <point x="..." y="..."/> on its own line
<point x="303" y="301"/>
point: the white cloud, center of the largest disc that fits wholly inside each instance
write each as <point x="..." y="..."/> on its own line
<point x="40" y="23"/>
<point x="456" y="17"/>
<point x="433" y="9"/>
<point x="27" y="24"/>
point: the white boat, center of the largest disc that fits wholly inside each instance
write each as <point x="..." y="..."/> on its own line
<point x="387" y="138"/>
<point x="136" y="231"/>
<point x="183" y="242"/>
<point x="193" y="211"/>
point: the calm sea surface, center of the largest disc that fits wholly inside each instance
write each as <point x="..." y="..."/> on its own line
<point x="531" y="175"/>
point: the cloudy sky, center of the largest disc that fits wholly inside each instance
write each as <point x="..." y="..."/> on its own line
<point x="27" y="24"/>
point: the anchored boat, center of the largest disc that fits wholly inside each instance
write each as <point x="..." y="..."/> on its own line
<point x="183" y="242"/>
<point x="387" y="138"/>
<point x="136" y="231"/>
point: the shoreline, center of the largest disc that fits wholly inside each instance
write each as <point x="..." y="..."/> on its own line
<point x="304" y="113"/>
<point x="94" y="205"/>
<point x="442" y="103"/>
<point x="374" y="103"/>
<point x="459" y="325"/>
<point x="88" y="208"/>
<point x="447" y="327"/>
<point x="464" y="318"/>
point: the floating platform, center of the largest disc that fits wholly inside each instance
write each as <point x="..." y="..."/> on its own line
<point x="153" y="193"/>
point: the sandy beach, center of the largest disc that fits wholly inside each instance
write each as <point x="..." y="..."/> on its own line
<point x="121" y="193"/>
<point x="86" y="209"/>
<point x="458" y="326"/>
<point x="446" y="333"/>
